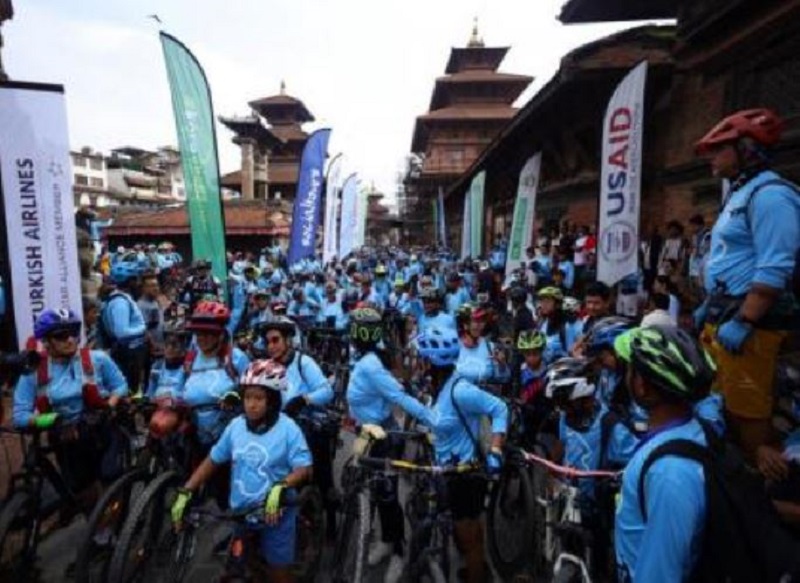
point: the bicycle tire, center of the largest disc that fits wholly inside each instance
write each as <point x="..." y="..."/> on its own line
<point x="569" y="573"/>
<point x="539" y="476"/>
<point x="510" y="522"/>
<point x="153" y="522"/>
<point x="15" y="521"/>
<point x="350" y="554"/>
<point x="86" y="562"/>
<point x="310" y="534"/>
<point x="431" y="572"/>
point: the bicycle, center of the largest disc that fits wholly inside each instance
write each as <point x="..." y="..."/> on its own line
<point x="38" y="492"/>
<point x="111" y="510"/>
<point x="429" y="514"/>
<point x="147" y="527"/>
<point x="242" y="558"/>
<point x="350" y="549"/>
<point x="566" y="551"/>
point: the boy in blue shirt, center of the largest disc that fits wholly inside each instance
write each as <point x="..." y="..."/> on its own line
<point x="668" y="371"/>
<point x="269" y="460"/>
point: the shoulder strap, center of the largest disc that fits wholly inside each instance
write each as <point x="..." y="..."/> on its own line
<point x="463" y="419"/>
<point x="188" y="362"/>
<point x="86" y="362"/>
<point x="43" y="370"/>
<point x="683" y="448"/>
<point x="746" y="207"/>
<point x="300" y="355"/>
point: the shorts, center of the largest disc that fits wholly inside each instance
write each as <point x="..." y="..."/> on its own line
<point x="276" y="544"/>
<point x="746" y="379"/>
<point x="467" y="496"/>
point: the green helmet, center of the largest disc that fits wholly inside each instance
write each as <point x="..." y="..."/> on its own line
<point x="366" y="326"/>
<point x="531" y="340"/>
<point x="669" y="359"/>
<point x="551" y="292"/>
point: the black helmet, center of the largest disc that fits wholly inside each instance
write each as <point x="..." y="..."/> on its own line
<point x="282" y="324"/>
<point x="518" y="294"/>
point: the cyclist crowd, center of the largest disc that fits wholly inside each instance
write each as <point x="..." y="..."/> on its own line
<point x="597" y="380"/>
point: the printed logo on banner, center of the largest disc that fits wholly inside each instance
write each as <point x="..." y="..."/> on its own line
<point x="619" y="242"/>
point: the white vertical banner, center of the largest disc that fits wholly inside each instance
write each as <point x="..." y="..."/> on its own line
<point x="361" y="213"/>
<point x="524" y="212"/>
<point x="37" y="198"/>
<point x="466" y="228"/>
<point x="349" y="214"/>
<point x="620" y="179"/>
<point x="329" y="237"/>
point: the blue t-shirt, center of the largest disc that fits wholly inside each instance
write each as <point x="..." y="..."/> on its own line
<point x="65" y="389"/>
<point x="440" y="320"/>
<point x="260" y="461"/>
<point x="477" y="365"/>
<point x="455" y="300"/>
<point x="666" y="547"/>
<point x="165" y="382"/>
<point x="206" y="385"/>
<point x="310" y="383"/>
<point x="372" y="392"/>
<point x="763" y="253"/>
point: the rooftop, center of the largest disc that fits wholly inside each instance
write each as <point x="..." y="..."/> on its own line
<point x="585" y="11"/>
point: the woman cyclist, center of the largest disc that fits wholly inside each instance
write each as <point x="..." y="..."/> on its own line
<point x="372" y="393"/>
<point x="167" y="377"/>
<point x="478" y="360"/>
<point x="553" y="322"/>
<point x="459" y="406"/>
<point x="269" y="459"/>
<point x="66" y="384"/>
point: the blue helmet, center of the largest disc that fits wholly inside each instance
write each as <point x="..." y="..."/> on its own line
<point x="605" y="332"/>
<point x="51" y="321"/>
<point x="438" y="345"/>
<point x="123" y="271"/>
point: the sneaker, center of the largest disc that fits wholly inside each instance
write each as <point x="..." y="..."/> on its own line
<point x="394" y="572"/>
<point x="379" y="552"/>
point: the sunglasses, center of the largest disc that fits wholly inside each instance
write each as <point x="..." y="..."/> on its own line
<point x="64" y="335"/>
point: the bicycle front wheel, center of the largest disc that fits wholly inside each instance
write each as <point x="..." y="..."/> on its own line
<point x="350" y="555"/>
<point x="146" y="534"/>
<point x="511" y="520"/>
<point x="107" y="519"/>
<point x="17" y="547"/>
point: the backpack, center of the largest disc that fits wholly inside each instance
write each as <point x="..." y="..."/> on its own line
<point x="104" y="337"/>
<point x="743" y="540"/>
<point x="794" y="282"/>
<point x="89" y="390"/>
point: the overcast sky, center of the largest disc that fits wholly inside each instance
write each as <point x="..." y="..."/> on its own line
<point x="365" y="68"/>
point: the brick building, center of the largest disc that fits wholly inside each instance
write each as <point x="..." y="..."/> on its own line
<point x="469" y="106"/>
<point x="720" y="57"/>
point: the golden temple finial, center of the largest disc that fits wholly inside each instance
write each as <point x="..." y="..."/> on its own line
<point x="475" y="41"/>
<point x="283" y="87"/>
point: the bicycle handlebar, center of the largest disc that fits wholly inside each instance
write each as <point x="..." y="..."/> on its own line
<point x="566" y="471"/>
<point x="387" y="464"/>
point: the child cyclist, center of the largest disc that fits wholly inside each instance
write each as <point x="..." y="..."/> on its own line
<point x="590" y="437"/>
<point x="458" y="408"/>
<point x="270" y="460"/>
<point x="536" y="408"/>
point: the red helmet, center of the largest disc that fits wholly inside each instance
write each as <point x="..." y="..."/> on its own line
<point x="209" y="316"/>
<point x="479" y="313"/>
<point x="762" y="125"/>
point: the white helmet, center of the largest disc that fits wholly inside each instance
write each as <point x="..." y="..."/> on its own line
<point x="569" y="379"/>
<point x="572" y="305"/>
<point x="267" y="374"/>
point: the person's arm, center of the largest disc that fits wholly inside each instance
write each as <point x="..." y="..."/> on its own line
<point x="320" y="390"/>
<point x="473" y="400"/>
<point x="201" y="475"/>
<point x="392" y="390"/>
<point x="776" y="236"/>
<point x="118" y="319"/>
<point x="23" y="412"/>
<point x="111" y="377"/>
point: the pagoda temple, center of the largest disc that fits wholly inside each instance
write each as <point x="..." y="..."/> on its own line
<point x="471" y="103"/>
<point x="271" y="139"/>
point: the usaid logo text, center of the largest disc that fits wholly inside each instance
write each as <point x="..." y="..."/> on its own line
<point x="618" y="242"/>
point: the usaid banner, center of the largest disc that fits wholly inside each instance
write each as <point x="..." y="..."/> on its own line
<point x="620" y="179"/>
<point x="349" y="215"/>
<point x="329" y="247"/>
<point x="524" y="213"/>
<point x="305" y="214"/>
<point x="476" y="214"/>
<point x="37" y="200"/>
<point x="466" y="245"/>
